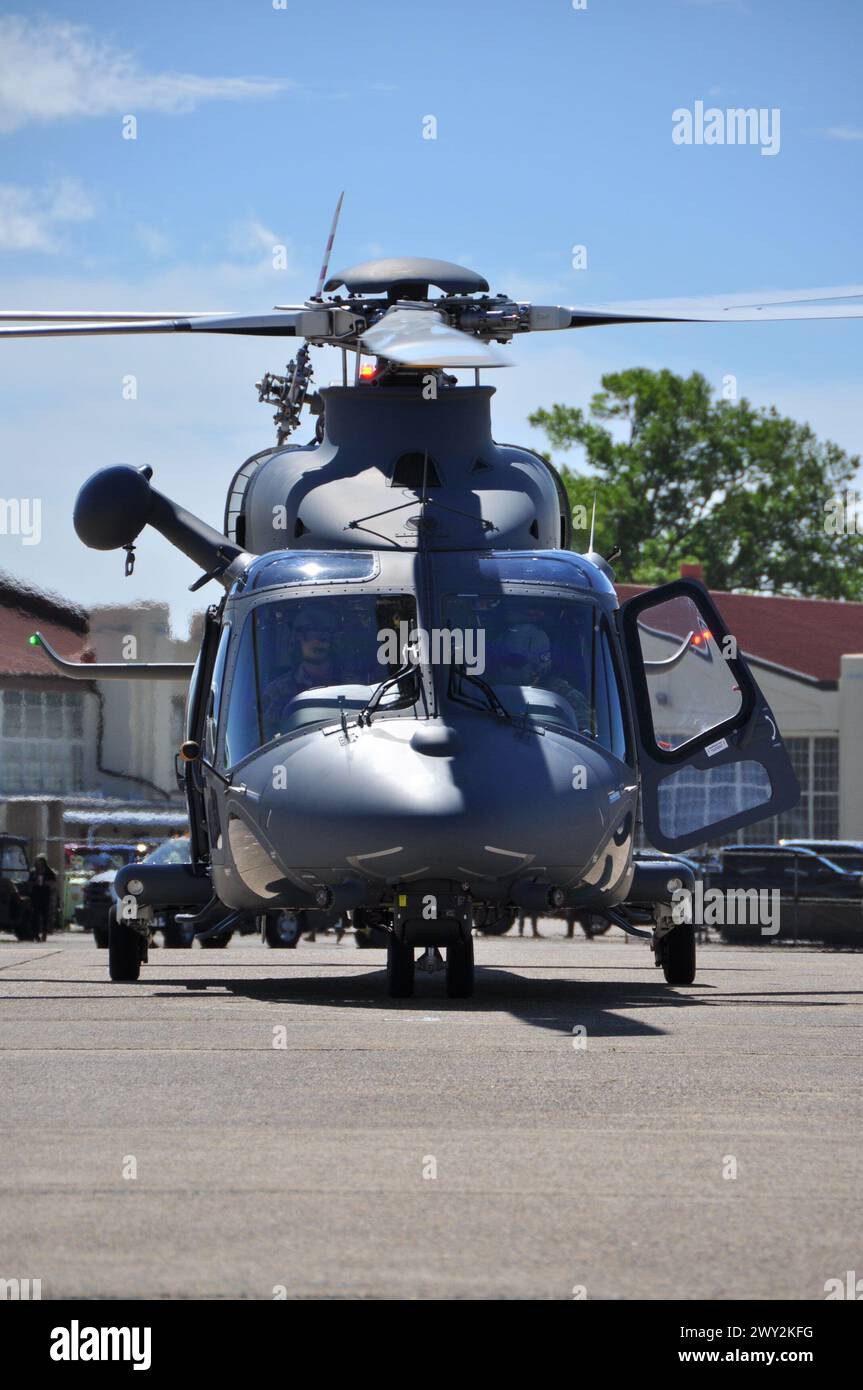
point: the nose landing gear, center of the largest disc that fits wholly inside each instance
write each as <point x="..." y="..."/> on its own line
<point x="440" y="916"/>
<point x="401" y="968"/>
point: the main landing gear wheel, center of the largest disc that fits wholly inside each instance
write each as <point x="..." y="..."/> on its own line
<point x="284" y="929"/>
<point x="677" y="954"/>
<point x="400" y="969"/>
<point x="126" y="950"/>
<point x="459" y="969"/>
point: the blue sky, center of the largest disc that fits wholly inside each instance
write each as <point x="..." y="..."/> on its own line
<point x="554" y="129"/>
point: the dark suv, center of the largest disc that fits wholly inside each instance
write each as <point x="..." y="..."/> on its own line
<point x="848" y="854"/>
<point x="818" y="900"/>
<point x="15" y="915"/>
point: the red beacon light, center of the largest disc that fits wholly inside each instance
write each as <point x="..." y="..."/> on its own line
<point x="368" y="371"/>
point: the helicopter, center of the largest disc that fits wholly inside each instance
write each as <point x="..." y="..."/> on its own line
<point x="414" y="704"/>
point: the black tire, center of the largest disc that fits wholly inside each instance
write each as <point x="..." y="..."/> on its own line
<point x="125" y="950"/>
<point x="400" y="969"/>
<point x="217" y="943"/>
<point x="677" y="954"/>
<point x="459" y="969"/>
<point x="178" y="936"/>
<point x="100" y="936"/>
<point x="284" y="929"/>
<point x="24" y="925"/>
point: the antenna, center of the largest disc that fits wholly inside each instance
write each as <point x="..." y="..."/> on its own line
<point x="324" y="268"/>
<point x="592" y="525"/>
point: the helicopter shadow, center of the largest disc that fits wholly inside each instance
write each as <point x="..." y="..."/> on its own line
<point x="552" y="1005"/>
<point x="602" y="1006"/>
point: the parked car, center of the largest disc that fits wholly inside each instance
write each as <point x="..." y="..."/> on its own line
<point x="818" y="900"/>
<point x="15" y="913"/>
<point x="848" y="854"/>
<point x="700" y="867"/>
<point x="178" y="935"/>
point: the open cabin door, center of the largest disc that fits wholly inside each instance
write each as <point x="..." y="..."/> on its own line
<point x="712" y="758"/>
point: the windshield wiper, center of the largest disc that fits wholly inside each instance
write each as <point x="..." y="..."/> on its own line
<point x="471" y="678"/>
<point x="410" y="669"/>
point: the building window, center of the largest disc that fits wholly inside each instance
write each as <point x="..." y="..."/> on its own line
<point x="816" y="817"/>
<point x="41" y="741"/>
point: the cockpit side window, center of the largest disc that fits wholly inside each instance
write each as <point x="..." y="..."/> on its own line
<point x="610" y="721"/>
<point x="218" y="677"/>
<point x="243" y="720"/>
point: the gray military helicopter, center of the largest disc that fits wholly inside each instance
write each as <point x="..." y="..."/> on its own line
<point x="413" y="703"/>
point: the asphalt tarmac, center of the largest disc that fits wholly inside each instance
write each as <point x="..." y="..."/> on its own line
<point x="251" y="1123"/>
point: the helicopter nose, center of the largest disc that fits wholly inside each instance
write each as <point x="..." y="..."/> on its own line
<point x="403" y="799"/>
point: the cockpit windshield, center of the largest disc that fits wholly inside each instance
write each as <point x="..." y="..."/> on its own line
<point x="303" y="660"/>
<point x="545" y="658"/>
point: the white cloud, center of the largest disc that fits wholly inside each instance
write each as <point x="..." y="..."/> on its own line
<point x="154" y="242"/>
<point x="29" y="217"/>
<point x="52" y="70"/>
<point x="252" y="236"/>
<point x="844" y="132"/>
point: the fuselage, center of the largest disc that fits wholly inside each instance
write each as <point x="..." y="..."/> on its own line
<point x="484" y="767"/>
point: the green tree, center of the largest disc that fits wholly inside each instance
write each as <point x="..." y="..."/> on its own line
<point x="750" y="495"/>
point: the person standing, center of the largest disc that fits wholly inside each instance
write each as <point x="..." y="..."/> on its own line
<point x="43" y="884"/>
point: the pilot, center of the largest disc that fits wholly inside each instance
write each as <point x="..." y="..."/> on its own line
<point x="313" y="661"/>
<point x="524" y="658"/>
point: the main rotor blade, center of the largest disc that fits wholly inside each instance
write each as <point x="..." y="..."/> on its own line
<point x="600" y="315"/>
<point x="99" y="315"/>
<point x="302" y="323"/>
<point x="741" y="301"/>
<point x="421" y="338"/>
